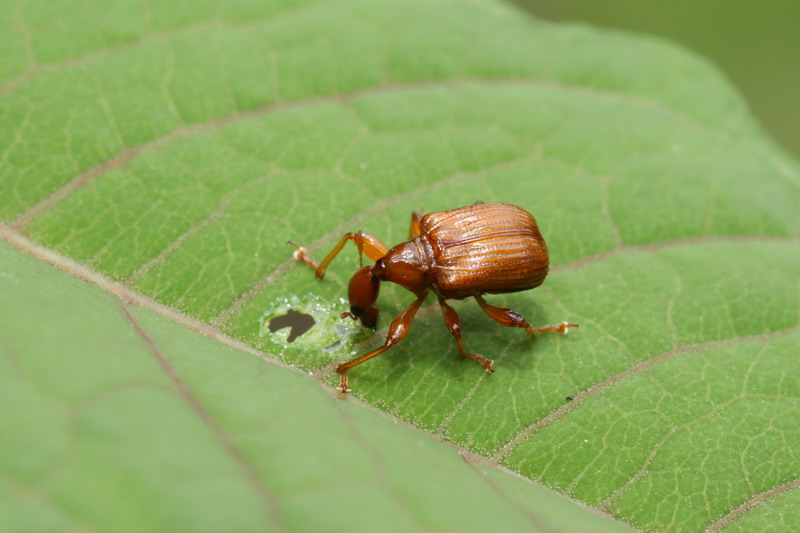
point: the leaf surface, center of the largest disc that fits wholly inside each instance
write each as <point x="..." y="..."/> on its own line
<point x="171" y="153"/>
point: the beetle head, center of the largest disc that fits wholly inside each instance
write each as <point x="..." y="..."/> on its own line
<point x="363" y="292"/>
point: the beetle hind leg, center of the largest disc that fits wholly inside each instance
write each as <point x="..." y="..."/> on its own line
<point x="510" y="318"/>
<point x="453" y="323"/>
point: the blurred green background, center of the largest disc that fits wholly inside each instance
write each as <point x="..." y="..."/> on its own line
<point x="756" y="44"/>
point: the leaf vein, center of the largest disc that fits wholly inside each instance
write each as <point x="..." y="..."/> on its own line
<point x="129" y="153"/>
<point x="268" y="499"/>
<point x="633" y="370"/>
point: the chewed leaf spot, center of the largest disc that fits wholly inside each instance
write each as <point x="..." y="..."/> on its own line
<point x="299" y="322"/>
<point x="306" y="323"/>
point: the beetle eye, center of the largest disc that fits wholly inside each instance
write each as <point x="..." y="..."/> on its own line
<point x="357" y="311"/>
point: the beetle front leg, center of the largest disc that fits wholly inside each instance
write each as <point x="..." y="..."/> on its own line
<point x="511" y="318"/>
<point x="397" y="331"/>
<point x="365" y="243"/>
<point x="453" y="323"/>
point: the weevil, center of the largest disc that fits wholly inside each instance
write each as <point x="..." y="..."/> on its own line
<point x="486" y="248"/>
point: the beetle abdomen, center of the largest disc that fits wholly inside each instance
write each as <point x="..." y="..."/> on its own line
<point x="485" y="248"/>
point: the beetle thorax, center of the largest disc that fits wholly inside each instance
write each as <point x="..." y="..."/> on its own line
<point x="408" y="264"/>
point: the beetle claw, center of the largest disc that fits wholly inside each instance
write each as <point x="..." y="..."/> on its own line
<point x="564" y="327"/>
<point x="300" y="254"/>
<point x="487" y="363"/>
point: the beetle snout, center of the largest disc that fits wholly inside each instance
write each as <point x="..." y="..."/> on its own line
<point x="368" y="317"/>
<point x="362" y="293"/>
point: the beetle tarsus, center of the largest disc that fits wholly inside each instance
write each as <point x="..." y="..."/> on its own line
<point x="565" y="327"/>
<point x="301" y="255"/>
<point x="486" y="363"/>
<point x="562" y="328"/>
<point x="343" y="388"/>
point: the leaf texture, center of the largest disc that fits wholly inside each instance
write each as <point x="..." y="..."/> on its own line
<point x="168" y="154"/>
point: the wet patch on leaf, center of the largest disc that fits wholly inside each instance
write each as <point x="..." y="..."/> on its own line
<point x="304" y="324"/>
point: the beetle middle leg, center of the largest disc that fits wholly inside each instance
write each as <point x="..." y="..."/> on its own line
<point x="510" y="318"/>
<point x="413" y="229"/>
<point x="397" y="331"/>
<point x="365" y="243"/>
<point x="453" y="322"/>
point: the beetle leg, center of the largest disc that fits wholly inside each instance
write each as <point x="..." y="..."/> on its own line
<point x="453" y="323"/>
<point x="414" y="230"/>
<point x="302" y="255"/>
<point x="365" y="242"/>
<point x="511" y="318"/>
<point x="397" y="331"/>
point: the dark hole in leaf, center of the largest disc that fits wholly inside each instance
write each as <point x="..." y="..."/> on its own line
<point x="299" y="322"/>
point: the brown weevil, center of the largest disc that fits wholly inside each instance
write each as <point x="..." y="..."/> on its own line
<point x="486" y="248"/>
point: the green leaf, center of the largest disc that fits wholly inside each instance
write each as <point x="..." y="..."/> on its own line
<point x="115" y="418"/>
<point x="167" y="155"/>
